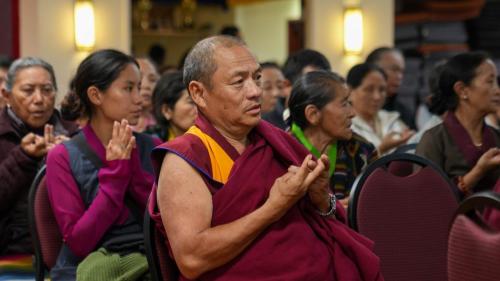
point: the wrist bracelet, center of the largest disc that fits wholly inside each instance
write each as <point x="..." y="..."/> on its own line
<point x="333" y="206"/>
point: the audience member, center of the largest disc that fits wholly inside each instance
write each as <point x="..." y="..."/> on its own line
<point x="174" y="109"/>
<point x="296" y="65"/>
<point x="158" y="54"/>
<point x="382" y="128"/>
<point x="241" y="199"/>
<point x="149" y="78"/>
<point x="29" y="127"/>
<point x="4" y="67"/>
<point x="392" y="61"/>
<point x="273" y="86"/>
<point x="320" y="115"/>
<point x="231" y="30"/>
<point x="437" y="111"/>
<point x="463" y="146"/>
<point x="99" y="181"/>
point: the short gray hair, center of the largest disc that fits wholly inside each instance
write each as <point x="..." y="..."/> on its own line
<point x="200" y="65"/>
<point x="27" y="62"/>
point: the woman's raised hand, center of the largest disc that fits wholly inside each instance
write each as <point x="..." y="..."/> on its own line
<point x="122" y="142"/>
<point x="50" y="140"/>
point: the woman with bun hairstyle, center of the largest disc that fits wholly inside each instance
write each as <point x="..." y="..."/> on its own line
<point x="320" y="115"/>
<point x="463" y="145"/>
<point x="99" y="181"/>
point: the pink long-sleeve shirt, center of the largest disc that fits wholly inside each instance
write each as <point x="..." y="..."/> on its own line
<point x="83" y="228"/>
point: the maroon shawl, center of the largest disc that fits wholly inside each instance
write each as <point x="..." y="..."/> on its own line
<point x="470" y="152"/>
<point x="300" y="246"/>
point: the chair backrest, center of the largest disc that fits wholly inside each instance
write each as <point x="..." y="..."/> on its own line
<point x="474" y="245"/>
<point x="406" y="148"/>
<point x="406" y="216"/>
<point x="47" y="240"/>
<point x="161" y="266"/>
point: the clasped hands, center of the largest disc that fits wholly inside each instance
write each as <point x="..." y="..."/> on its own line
<point x="122" y="142"/>
<point x="37" y="146"/>
<point x="310" y="177"/>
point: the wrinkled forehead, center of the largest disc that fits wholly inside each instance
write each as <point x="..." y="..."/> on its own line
<point x="32" y="74"/>
<point x="235" y="58"/>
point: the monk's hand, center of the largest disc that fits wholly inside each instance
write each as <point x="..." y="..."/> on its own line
<point x="290" y="187"/>
<point x="122" y="142"/>
<point x="34" y="145"/>
<point x="319" y="189"/>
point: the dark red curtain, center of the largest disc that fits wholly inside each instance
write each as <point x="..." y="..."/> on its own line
<point x="9" y="28"/>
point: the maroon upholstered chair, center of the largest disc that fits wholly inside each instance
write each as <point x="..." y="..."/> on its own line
<point x="406" y="216"/>
<point x="474" y="245"/>
<point x="47" y="240"/>
<point x="161" y="266"/>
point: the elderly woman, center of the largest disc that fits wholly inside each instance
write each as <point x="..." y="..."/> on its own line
<point x="384" y="129"/>
<point x="321" y="115"/>
<point x="174" y="109"/>
<point x="466" y="148"/>
<point x="29" y="127"/>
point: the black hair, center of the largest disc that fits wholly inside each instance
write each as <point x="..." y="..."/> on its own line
<point x="230" y="30"/>
<point x="461" y="67"/>
<point x="157" y="53"/>
<point x="99" y="69"/>
<point x="317" y="88"/>
<point x="5" y="62"/>
<point x="434" y="90"/>
<point x="70" y="105"/>
<point x="168" y="91"/>
<point x="358" y="72"/>
<point x="296" y="62"/>
<point x="375" y="55"/>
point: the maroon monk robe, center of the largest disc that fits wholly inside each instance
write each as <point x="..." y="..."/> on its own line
<point x="302" y="245"/>
<point x="470" y="152"/>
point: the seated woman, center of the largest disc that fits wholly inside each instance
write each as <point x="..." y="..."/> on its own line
<point x="320" y="115"/>
<point x="174" y="110"/>
<point x="273" y="87"/>
<point x="463" y="146"/>
<point x="384" y="129"/>
<point x="149" y="78"/>
<point x="99" y="181"/>
<point x="29" y="127"/>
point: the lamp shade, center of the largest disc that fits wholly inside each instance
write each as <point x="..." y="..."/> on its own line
<point x="84" y="25"/>
<point x="353" y="31"/>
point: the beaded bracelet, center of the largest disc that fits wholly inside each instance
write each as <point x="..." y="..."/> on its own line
<point x="333" y="206"/>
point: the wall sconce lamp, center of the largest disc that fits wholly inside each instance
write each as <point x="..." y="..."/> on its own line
<point x="84" y="25"/>
<point x="353" y="31"/>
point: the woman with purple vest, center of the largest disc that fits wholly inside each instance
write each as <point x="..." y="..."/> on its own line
<point x="99" y="181"/>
